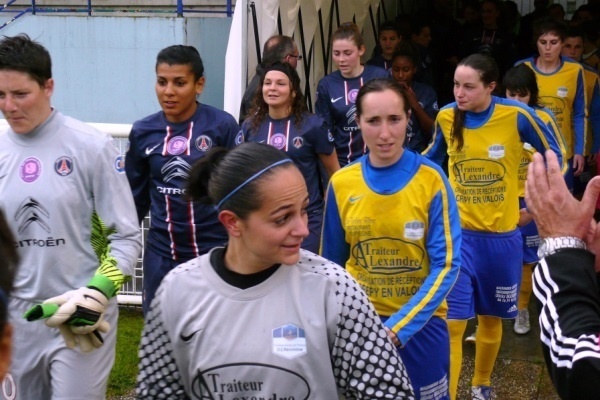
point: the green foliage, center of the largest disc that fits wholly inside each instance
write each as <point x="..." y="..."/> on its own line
<point x="124" y="372"/>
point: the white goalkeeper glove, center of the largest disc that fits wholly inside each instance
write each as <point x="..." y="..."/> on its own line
<point x="78" y="314"/>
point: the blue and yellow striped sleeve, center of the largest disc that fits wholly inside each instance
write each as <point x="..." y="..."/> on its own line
<point x="535" y="132"/>
<point x="333" y="243"/>
<point x="437" y="148"/>
<point x="443" y="244"/>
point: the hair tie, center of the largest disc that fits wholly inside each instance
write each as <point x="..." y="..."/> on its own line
<point x="253" y="177"/>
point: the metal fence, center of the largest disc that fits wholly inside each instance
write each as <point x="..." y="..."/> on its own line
<point x="19" y="8"/>
<point x="131" y="292"/>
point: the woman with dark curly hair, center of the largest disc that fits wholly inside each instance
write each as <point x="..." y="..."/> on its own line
<point x="279" y="117"/>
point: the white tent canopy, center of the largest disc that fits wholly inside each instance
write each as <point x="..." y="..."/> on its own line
<point x="309" y="22"/>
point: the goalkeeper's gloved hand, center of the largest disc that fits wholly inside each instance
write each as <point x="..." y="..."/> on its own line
<point x="79" y="314"/>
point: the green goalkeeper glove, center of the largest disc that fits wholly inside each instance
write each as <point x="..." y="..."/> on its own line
<point x="79" y="314"/>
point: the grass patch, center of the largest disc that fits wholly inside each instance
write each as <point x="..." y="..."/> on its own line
<point x="123" y="375"/>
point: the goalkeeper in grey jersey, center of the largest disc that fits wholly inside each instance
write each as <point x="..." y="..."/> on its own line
<point x="64" y="191"/>
<point x="261" y="318"/>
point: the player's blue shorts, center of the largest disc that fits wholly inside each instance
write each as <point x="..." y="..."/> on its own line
<point x="155" y="268"/>
<point x="431" y="345"/>
<point x="489" y="277"/>
<point x="531" y="239"/>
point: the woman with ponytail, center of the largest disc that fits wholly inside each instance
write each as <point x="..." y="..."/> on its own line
<point x="261" y="317"/>
<point x="483" y="136"/>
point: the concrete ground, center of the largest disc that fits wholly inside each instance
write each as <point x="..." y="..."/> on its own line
<point x="520" y="372"/>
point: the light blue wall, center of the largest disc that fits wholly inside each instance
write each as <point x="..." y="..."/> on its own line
<point x="104" y="66"/>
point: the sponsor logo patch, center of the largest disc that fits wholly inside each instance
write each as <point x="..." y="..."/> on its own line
<point x="288" y="341"/>
<point x="30" y="169"/>
<point x="277" y="141"/>
<point x="177" y="145"/>
<point x="352" y="95"/>
<point x="496" y="151"/>
<point x="414" y="230"/>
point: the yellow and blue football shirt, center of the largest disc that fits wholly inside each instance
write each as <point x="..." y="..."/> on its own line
<point x="396" y="230"/>
<point x="484" y="174"/>
<point x="563" y="92"/>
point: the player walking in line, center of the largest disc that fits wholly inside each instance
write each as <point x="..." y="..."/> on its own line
<point x="280" y="118"/>
<point x="336" y="92"/>
<point x="562" y="90"/>
<point x="303" y="328"/>
<point x="422" y="98"/>
<point x="483" y="136"/>
<point x="162" y="149"/>
<point x="520" y="84"/>
<point x="392" y="221"/>
<point x="389" y="38"/>
<point x="63" y="188"/>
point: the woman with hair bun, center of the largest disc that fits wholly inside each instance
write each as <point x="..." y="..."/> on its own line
<point x="293" y="319"/>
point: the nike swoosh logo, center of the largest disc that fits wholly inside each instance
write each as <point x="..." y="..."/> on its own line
<point x="187" y="338"/>
<point x="88" y="297"/>
<point x="354" y="199"/>
<point x="339" y="98"/>
<point x="151" y="149"/>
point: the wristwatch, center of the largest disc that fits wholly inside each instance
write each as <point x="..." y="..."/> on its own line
<point x="553" y="245"/>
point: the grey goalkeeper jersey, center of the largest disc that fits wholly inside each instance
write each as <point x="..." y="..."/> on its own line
<point x="52" y="180"/>
<point x="307" y="332"/>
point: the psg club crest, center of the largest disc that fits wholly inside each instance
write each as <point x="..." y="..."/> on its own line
<point x="298" y="142"/>
<point x="63" y="166"/>
<point x="177" y="145"/>
<point x="204" y="143"/>
<point x="288" y="341"/>
<point x="278" y="141"/>
<point x="30" y="169"/>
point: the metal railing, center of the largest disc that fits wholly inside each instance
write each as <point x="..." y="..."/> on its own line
<point x="19" y="9"/>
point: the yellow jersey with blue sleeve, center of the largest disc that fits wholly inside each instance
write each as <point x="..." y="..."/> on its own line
<point x="546" y="117"/>
<point x="484" y="174"/>
<point x="397" y="231"/>
<point x="563" y="92"/>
